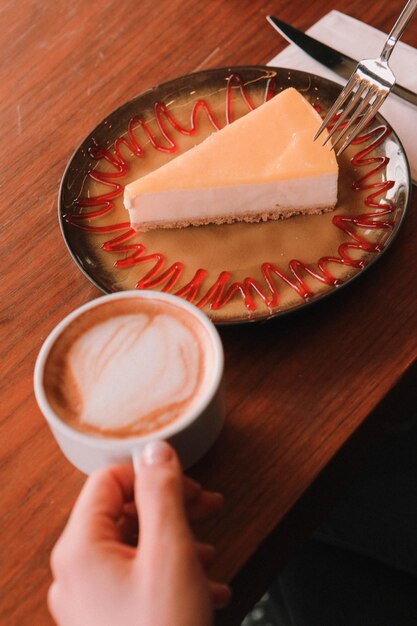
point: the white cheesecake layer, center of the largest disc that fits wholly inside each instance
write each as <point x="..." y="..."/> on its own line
<point x="219" y="204"/>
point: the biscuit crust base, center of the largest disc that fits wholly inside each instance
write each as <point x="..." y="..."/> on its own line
<point x="231" y="219"/>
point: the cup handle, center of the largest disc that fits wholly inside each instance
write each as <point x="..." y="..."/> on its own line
<point x="136" y="454"/>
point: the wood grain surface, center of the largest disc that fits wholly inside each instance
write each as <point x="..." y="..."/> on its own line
<point x="301" y="390"/>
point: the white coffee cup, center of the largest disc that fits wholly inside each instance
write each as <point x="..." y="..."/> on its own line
<point x="191" y="434"/>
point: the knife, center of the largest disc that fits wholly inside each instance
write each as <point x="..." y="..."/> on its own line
<point x="333" y="59"/>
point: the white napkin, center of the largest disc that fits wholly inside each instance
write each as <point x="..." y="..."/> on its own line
<point x="360" y="41"/>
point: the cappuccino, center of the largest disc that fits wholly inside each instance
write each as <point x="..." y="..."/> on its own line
<point x="128" y="367"/>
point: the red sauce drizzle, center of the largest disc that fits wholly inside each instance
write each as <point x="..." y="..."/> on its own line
<point x="221" y="292"/>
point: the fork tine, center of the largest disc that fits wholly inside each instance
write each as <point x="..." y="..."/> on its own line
<point x="344" y="94"/>
<point x="354" y="119"/>
<point x="351" y="105"/>
<point x="379" y="80"/>
<point x="364" y="121"/>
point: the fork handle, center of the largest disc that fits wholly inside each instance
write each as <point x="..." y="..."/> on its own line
<point x="398" y="29"/>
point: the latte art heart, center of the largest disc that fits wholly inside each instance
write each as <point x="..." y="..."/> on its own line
<point x="128" y="369"/>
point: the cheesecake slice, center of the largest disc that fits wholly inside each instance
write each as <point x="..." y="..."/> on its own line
<point x="265" y="165"/>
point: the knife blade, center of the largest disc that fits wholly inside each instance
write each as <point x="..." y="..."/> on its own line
<point x="336" y="61"/>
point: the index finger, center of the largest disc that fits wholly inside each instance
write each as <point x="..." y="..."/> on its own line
<point x="101" y="502"/>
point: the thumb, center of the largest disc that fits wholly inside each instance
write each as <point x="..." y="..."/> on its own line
<point x="159" y="497"/>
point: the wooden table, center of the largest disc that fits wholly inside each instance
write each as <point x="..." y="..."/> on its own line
<point x="307" y="394"/>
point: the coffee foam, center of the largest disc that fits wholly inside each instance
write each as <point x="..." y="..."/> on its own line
<point x="127" y="368"/>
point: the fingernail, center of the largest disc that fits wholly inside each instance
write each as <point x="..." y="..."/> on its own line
<point x="156" y="452"/>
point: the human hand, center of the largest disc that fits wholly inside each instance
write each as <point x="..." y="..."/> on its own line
<point x="103" y="578"/>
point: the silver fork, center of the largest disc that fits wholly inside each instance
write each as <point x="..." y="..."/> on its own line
<point x="367" y="88"/>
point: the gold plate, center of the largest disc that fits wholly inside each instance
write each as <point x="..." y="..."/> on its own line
<point x="238" y="272"/>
